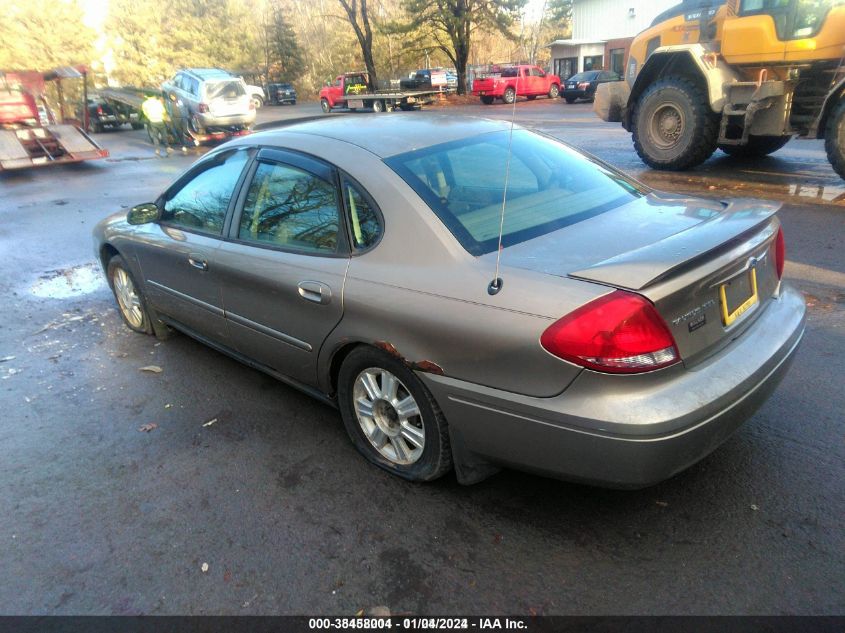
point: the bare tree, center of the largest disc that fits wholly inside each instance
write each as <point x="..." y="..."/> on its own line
<point x="451" y="24"/>
<point x="359" y="18"/>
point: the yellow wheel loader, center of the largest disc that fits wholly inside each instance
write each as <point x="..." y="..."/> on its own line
<point x="743" y="76"/>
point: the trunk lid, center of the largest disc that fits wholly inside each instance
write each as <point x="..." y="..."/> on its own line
<point x="227" y="98"/>
<point x="698" y="261"/>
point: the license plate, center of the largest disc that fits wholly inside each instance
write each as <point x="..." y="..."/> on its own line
<point x="571" y="85"/>
<point x="738" y="295"/>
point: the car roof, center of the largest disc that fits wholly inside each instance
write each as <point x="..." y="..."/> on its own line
<point x="209" y="73"/>
<point x="383" y="134"/>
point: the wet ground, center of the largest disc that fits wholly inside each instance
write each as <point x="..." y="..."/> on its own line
<point x="237" y="472"/>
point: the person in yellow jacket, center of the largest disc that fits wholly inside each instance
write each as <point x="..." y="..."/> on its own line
<point x="154" y="112"/>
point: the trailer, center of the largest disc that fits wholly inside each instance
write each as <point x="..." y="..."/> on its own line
<point x="25" y="141"/>
<point x="350" y="90"/>
<point x="125" y="104"/>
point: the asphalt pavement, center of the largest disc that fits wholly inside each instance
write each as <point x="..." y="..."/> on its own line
<point x="246" y="497"/>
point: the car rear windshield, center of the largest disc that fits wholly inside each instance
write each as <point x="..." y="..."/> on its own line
<point x="550" y="186"/>
<point x="584" y="76"/>
<point x="224" y="89"/>
<point x="510" y="72"/>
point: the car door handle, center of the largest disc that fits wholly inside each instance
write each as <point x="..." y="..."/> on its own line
<point x="197" y="261"/>
<point x="315" y="291"/>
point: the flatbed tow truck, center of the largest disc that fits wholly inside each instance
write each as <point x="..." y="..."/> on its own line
<point x="131" y="100"/>
<point x="30" y="135"/>
<point x="351" y="91"/>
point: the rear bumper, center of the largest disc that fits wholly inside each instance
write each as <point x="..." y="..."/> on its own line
<point x="209" y="120"/>
<point x="626" y="431"/>
<point x="576" y="94"/>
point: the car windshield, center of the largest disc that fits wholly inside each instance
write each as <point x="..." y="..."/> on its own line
<point x="224" y="89"/>
<point x="550" y="186"/>
<point x="285" y="86"/>
<point x="590" y="76"/>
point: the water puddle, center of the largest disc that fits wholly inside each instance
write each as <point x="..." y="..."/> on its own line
<point x="70" y="282"/>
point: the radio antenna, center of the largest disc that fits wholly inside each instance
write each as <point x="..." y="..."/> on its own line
<point x="496" y="284"/>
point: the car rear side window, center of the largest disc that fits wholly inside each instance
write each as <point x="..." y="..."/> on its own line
<point x="364" y="222"/>
<point x="202" y="202"/>
<point x="292" y="209"/>
<point x="550" y="186"/>
<point x="224" y="89"/>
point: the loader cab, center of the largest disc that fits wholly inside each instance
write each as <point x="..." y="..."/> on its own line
<point x="772" y="31"/>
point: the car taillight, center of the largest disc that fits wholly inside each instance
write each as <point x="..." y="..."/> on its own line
<point x="100" y="110"/>
<point x="619" y="333"/>
<point x="780" y="253"/>
<point x="203" y="107"/>
<point x="584" y="85"/>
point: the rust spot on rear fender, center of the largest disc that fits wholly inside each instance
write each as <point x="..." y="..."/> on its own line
<point x="389" y="348"/>
<point x="426" y="366"/>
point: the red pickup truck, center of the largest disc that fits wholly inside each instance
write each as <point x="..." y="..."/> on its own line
<point x="516" y="81"/>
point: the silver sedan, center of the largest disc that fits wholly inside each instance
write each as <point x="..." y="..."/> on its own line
<point x="468" y="296"/>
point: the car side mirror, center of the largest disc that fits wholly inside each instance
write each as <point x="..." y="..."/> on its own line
<point x="143" y="213"/>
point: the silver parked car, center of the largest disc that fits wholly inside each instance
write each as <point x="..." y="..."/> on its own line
<point x="628" y="333"/>
<point x="214" y="98"/>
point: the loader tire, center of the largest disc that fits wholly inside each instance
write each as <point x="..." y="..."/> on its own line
<point x="674" y="126"/>
<point x="834" y="138"/>
<point x="757" y="146"/>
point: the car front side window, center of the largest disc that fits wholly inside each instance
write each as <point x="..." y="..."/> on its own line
<point x="292" y="209"/>
<point x="202" y="202"/>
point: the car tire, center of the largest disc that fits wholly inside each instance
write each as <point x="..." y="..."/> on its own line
<point x="415" y="447"/>
<point x="554" y="91"/>
<point x="137" y="126"/>
<point x="293" y="103"/>
<point x="486" y="100"/>
<point x="378" y="106"/>
<point x="194" y="126"/>
<point x="834" y="138"/>
<point x="509" y="96"/>
<point x="757" y="146"/>
<point x="257" y="101"/>
<point x="130" y="300"/>
<point x="674" y="126"/>
<point x="324" y="105"/>
<point x="97" y="127"/>
<point x="570" y="100"/>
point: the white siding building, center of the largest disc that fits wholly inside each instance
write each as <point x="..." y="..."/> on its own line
<point x="601" y="33"/>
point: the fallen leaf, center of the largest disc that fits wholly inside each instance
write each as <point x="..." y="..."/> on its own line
<point x="662" y="504"/>
<point x="754" y="507"/>
<point x="204" y="567"/>
<point x="246" y="604"/>
<point x="227" y="576"/>
<point x="146" y="428"/>
<point x="210" y="422"/>
<point x="167" y="406"/>
<point x="153" y="369"/>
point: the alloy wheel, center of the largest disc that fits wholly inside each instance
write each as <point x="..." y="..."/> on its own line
<point x="389" y="416"/>
<point x="127" y="298"/>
